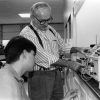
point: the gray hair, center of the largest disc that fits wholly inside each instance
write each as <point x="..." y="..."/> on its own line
<point x="38" y="5"/>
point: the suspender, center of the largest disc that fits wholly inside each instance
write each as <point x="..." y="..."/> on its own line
<point x="36" y="33"/>
<point x="52" y="31"/>
<point x="40" y="41"/>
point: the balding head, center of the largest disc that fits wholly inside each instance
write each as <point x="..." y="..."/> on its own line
<point x="39" y="9"/>
<point x="41" y="15"/>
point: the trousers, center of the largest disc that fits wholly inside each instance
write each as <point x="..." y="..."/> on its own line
<point x="45" y="85"/>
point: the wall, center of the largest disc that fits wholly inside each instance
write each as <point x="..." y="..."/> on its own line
<point x="87" y="24"/>
<point x="7" y="31"/>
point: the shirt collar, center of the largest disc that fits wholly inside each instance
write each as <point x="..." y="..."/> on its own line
<point x="15" y="74"/>
<point x="34" y="26"/>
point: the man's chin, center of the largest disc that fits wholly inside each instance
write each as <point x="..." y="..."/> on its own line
<point x="44" y="27"/>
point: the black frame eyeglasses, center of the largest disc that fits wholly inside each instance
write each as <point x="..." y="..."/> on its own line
<point x="44" y="20"/>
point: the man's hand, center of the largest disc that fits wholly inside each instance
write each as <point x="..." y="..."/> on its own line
<point x="75" y="50"/>
<point x="71" y="94"/>
<point x="66" y="63"/>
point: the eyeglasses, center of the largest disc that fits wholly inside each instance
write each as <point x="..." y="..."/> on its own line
<point x="44" y="20"/>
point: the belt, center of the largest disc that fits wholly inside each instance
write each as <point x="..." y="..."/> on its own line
<point x="41" y="68"/>
<point x="47" y="69"/>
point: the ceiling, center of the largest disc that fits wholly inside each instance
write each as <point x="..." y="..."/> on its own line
<point x="9" y="10"/>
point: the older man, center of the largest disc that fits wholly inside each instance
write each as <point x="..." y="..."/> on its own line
<point x="46" y="83"/>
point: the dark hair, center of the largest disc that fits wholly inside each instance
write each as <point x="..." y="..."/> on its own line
<point x="16" y="46"/>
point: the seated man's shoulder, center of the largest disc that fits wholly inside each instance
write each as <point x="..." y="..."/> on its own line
<point x="5" y="75"/>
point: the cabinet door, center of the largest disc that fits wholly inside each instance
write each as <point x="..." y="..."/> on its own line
<point x="72" y="81"/>
<point x="82" y="93"/>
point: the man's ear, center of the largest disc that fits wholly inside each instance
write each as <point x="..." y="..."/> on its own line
<point x="24" y="53"/>
<point x="31" y="16"/>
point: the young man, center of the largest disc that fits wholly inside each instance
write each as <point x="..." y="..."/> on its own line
<point x="20" y="57"/>
<point x="46" y="83"/>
